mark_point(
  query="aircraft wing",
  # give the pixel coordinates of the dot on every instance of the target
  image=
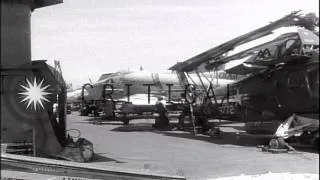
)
(215, 54)
(140, 99)
(257, 58)
(274, 53)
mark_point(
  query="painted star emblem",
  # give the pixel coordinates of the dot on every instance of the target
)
(34, 93)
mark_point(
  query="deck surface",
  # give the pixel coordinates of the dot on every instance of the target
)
(139, 146)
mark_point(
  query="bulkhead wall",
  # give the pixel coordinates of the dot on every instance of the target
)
(15, 33)
(21, 121)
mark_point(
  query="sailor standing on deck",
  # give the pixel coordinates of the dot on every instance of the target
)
(162, 120)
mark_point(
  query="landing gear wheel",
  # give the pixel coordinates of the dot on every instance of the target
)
(125, 121)
(280, 143)
(274, 144)
(316, 144)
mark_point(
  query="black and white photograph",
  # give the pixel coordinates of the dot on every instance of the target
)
(159, 90)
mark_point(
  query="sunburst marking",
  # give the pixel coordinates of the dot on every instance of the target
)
(34, 93)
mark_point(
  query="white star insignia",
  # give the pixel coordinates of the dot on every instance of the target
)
(34, 93)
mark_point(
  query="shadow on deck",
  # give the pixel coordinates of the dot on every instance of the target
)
(98, 157)
(232, 134)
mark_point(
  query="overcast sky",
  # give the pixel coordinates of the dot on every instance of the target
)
(93, 37)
